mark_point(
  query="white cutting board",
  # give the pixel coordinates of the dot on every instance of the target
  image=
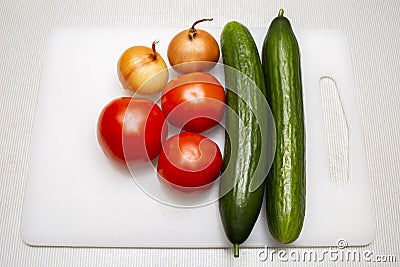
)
(76, 197)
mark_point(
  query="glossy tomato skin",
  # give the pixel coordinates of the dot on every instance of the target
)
(189, 160)
(131, 130)
(193, 101)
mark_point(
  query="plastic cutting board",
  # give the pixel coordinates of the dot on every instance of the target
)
(76, 197)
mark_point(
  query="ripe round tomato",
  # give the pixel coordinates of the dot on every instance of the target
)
(189, 160)
(131, 130)
(193, 101)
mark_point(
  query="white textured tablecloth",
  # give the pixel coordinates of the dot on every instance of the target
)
(373, 30)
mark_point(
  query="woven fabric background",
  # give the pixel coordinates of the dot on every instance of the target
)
(373, 30)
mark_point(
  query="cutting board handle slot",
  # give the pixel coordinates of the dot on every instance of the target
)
(336, 130)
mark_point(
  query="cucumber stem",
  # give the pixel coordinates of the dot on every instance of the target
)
(280, 14)
(236, 250)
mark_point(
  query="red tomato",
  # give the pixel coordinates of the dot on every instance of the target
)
(131, 129)
(189, 160)
(193, 101)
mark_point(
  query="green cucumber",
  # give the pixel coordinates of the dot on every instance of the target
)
(286, 181)
(242, 180)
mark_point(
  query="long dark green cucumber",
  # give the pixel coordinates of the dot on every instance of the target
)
(286, 181)
(240, 207)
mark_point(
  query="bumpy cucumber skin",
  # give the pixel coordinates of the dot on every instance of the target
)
(240, 207)
(286, 181)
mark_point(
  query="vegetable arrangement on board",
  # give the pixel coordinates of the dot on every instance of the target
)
(133, 130)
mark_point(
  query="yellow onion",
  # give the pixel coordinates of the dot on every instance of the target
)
(197, 48)
(142, 70)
